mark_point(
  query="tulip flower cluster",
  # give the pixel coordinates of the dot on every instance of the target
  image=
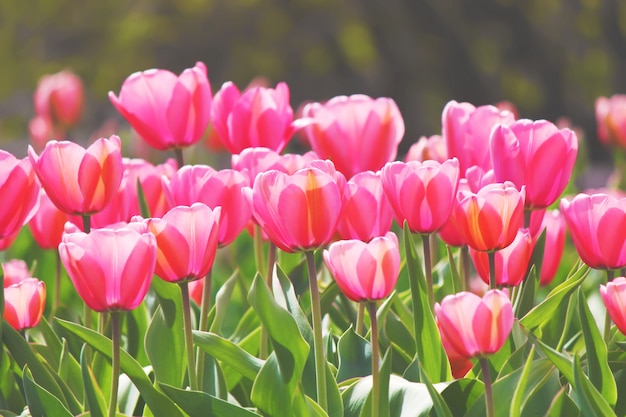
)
(359, 284)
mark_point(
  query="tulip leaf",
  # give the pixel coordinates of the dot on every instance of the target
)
(52, 341)
(562, 405)
(136, 324)
(528, 288)
(439, 404)
(165, 347)
(589, 398)
(96, 403)
(198, 403)
(600, 374)
(543, 312)
(159, 404)
(461, 394)
(518, 395)
(428, 342)
(40, 401)
(222, 299)
(355, 356)
(561, 361)
(69, 371)
(229, 353)
(457, 282)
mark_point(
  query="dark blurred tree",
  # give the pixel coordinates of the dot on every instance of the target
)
(551, 58)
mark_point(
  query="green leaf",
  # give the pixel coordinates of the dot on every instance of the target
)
(52, 341)
(229, 353)
(355, 356)
(428, 342)
(143, 204)
(590, 400)
(461, 394)
(136, 324)
(528, 289)
(166, 348)
(69, 371)
(600, 374)
(439, 404)
(518, 395)
(96, 403)
(457, 282)
(222, 299)
(197, 403)
(544, 312)
(40, 401)
(384, 375)
(563, 405)
(159, 404)
(562, 362)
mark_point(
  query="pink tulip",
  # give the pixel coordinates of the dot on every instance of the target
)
(201, 183)
(433, 147)
(596, 223)
(41, 131)
(467, 129)
(367, 213)
(358, 133)
(111, 269)
(59, 98)
(511, 262)
(423, 193)
(19, 191)
(258, 117)
(15, 271)
(24, 303)
(165, 110)
(48, 223)
(78, 180)
(6, 242)
(252, 161)
(473, 326)
(554, 225)
(614, 297)
(450, 233)
(525, 153)
(611, 120)
(187, 238)
(365, 271)
(489, 220)
(299, 212)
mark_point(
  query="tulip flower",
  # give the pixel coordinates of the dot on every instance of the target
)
(299, 212)
(19, 192)
(423, 193)
(78, 180)
(431, 148)
(489, 219)
(365, 271)
(614, 298)
(201, 183)
(596, 224)
(524, 153)
(367, 213)
(257, 117)
(467, 130)
(48, 223)
(358, 133)
(24, 303)
(15, 271)
(554, 225)
(166, 110)
(111, 269)
(611, 120)
(59, 98)
(511, 262)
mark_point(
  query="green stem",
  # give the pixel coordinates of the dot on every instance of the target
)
(428, 267)
(484, 365)
(204, 324)
(193, 381)
(178, 154)
(271, 260)
(86, 309)
(359, 318)
(465, 262)
(371, 307)
(258, 248)
(492, 270)
(57, 285)
(115, 361)
(527, 214)
(318, 342)
(610, 274)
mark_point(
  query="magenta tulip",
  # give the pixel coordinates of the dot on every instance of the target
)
(525, 153)
(59, 98)
(614, 298)
(19, 192)
(358, 133)
(555, 227)
(24, 303)
(166, 110)
(48, 223)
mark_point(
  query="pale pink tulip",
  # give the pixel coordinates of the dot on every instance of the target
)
(59, 98)
(614, 297)
(611, 120)
(15, 271)
(427, 148)
(24, 303)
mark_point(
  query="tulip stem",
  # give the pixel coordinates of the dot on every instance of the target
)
(610, 274)
(193, 381)
(86, 309)
(359, 318)
(115, 361)
(57, 285)
(271, 260)
(258, 248)
(484, 365)
(428, 267)
(465, 262)
(178, 154)
(318, 342)
(204, 324)
(492, 269)
(527, 214)
(371, 307)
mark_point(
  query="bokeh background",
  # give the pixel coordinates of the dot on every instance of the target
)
(551, 58)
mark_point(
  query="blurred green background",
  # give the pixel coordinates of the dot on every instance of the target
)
(551, 58)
